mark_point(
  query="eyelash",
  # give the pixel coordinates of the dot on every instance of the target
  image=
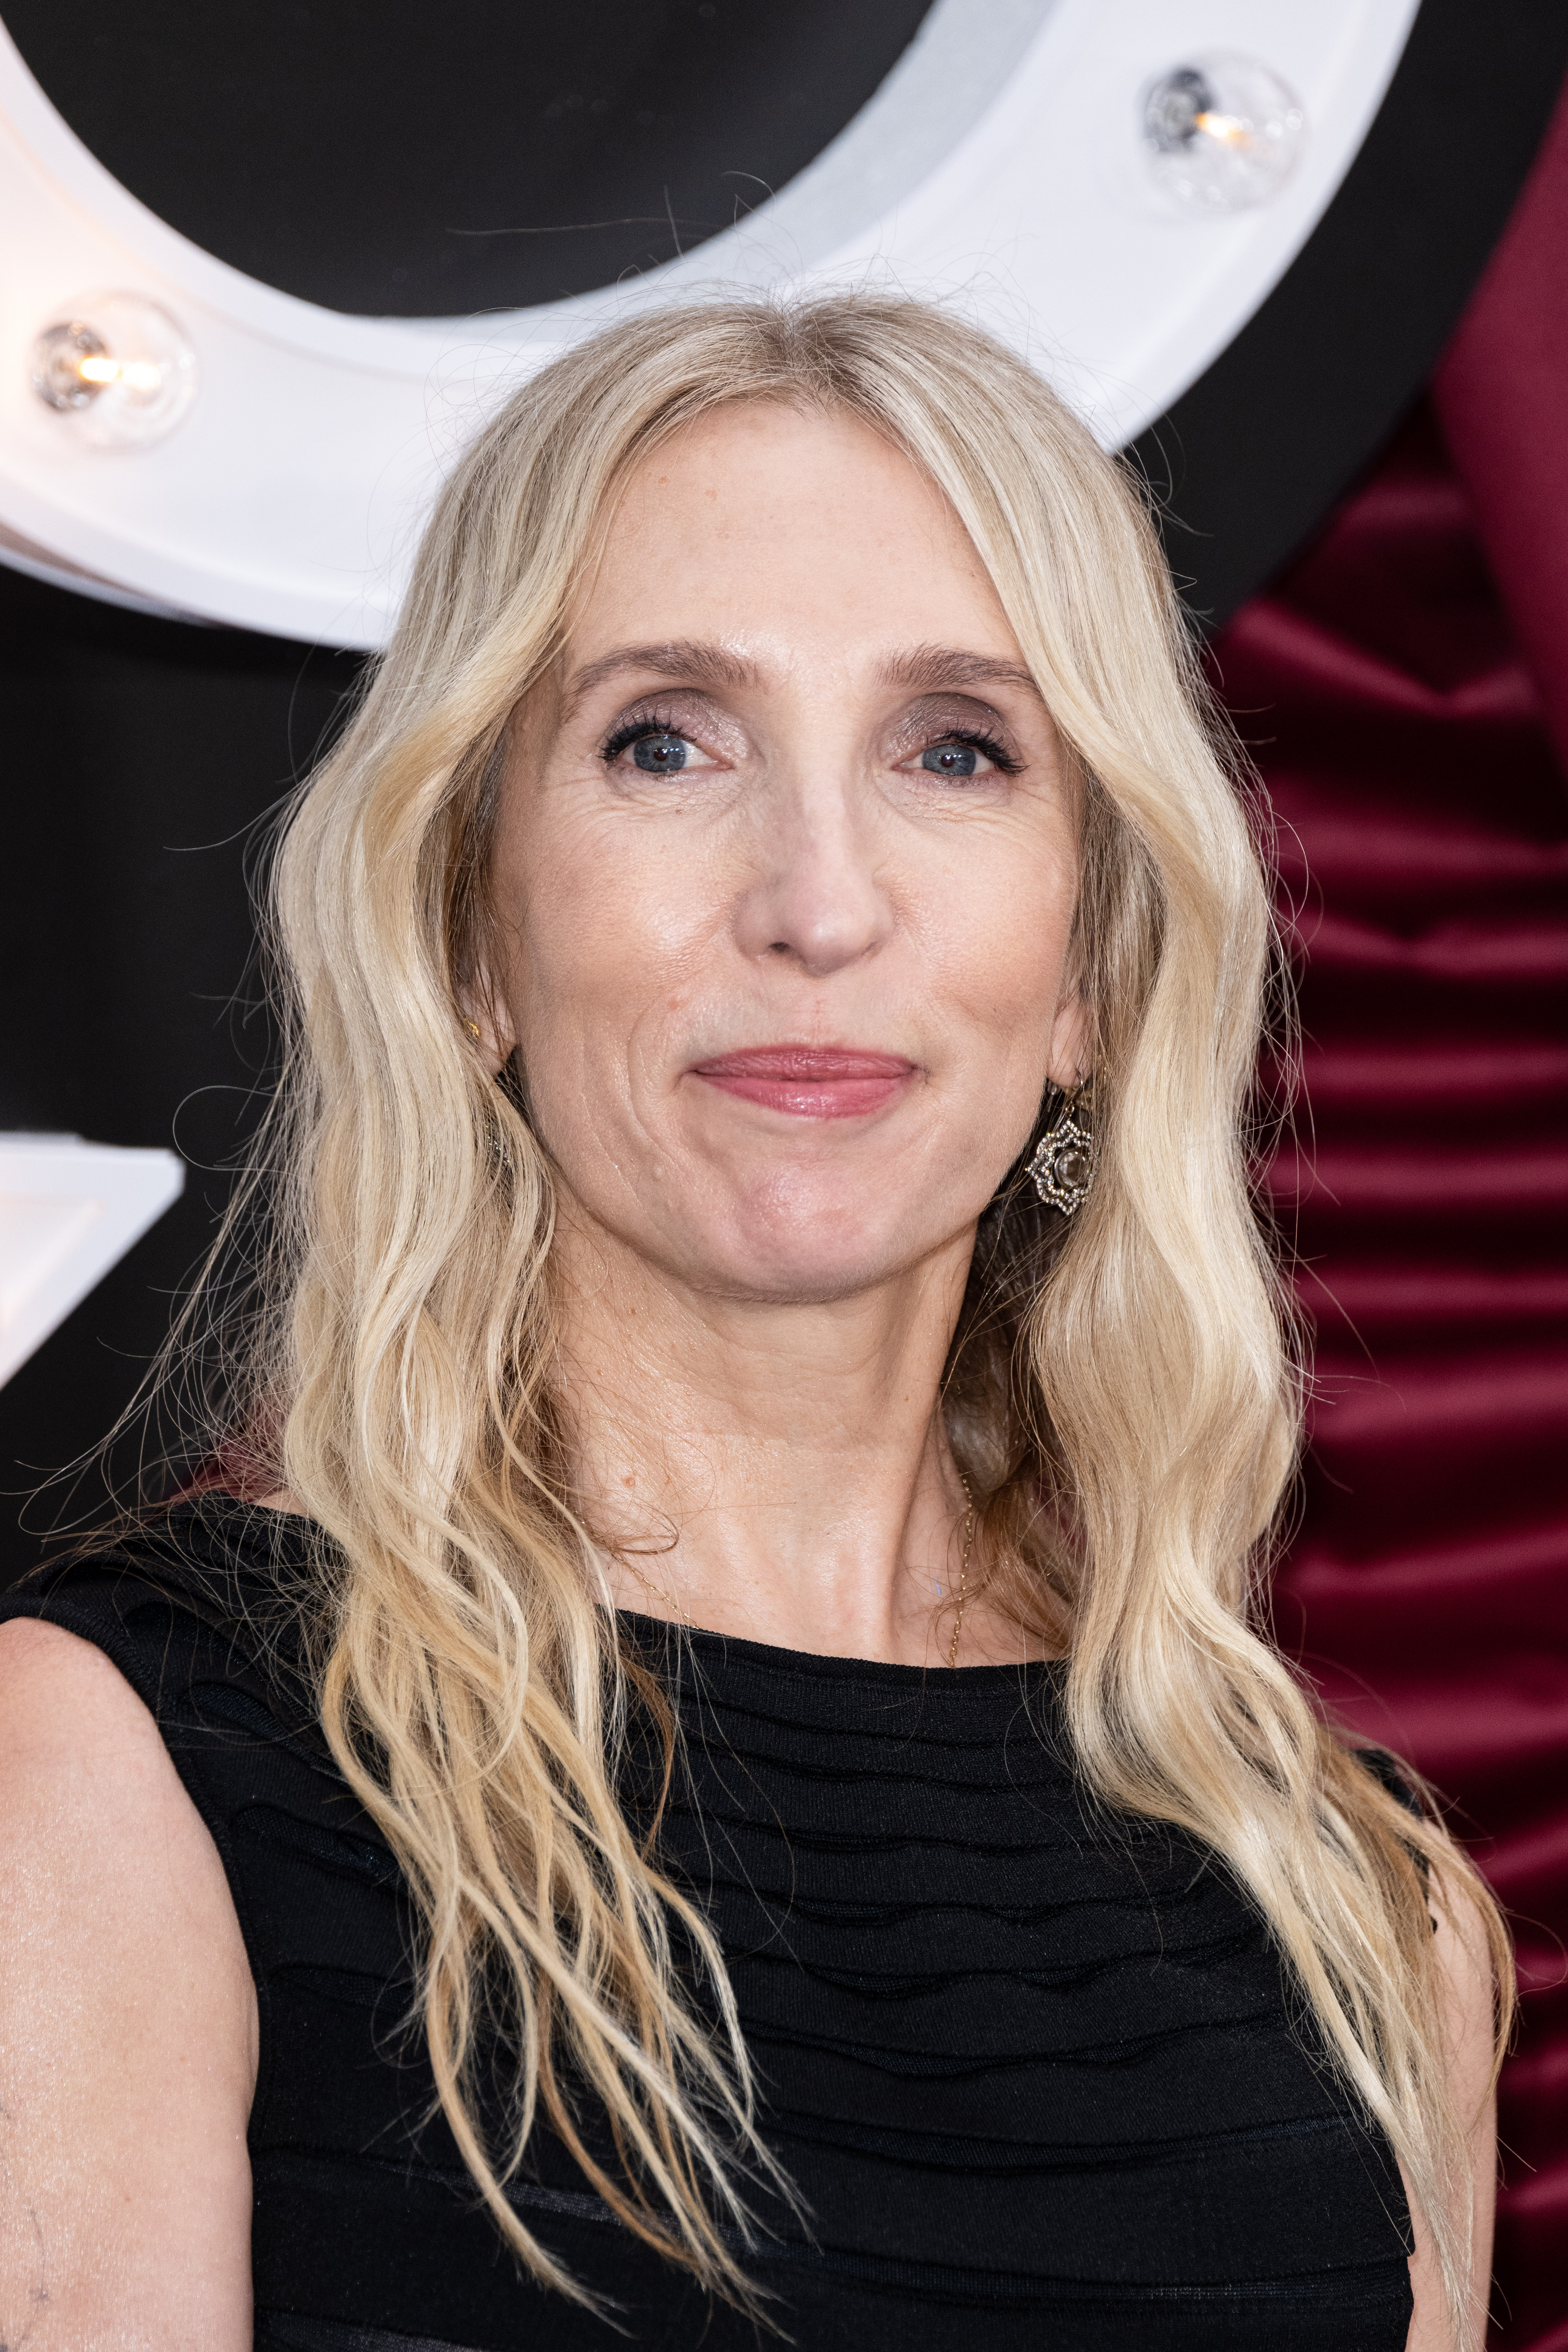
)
(1002, 760)
(635, 730)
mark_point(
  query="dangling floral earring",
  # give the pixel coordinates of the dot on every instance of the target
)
(1063, 1164)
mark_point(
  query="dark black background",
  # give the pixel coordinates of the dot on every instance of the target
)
(142, 755)
(394, 158)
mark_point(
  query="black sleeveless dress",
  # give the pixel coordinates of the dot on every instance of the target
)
(1033, 2069)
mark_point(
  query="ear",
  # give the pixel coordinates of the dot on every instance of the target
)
(483, 1009)
(1068, 1059)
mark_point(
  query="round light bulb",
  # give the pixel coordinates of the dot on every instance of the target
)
(118, 368)
(1222, 132)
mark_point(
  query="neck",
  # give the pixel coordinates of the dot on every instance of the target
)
(777, 1472)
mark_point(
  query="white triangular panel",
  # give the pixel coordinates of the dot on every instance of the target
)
(68, 1210)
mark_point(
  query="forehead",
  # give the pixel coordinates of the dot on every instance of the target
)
(762, 519)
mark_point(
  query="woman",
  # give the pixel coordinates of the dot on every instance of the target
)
(724, 1767)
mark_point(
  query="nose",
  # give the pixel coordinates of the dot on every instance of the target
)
(816, 895)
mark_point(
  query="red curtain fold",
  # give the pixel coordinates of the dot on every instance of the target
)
(1501, 393)
(1423, 856)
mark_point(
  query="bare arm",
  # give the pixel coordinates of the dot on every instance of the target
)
(1468, 2032)
(127, 2026)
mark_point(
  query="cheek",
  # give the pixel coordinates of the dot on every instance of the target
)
(1005, 951)
(1001, 941)
(596, 943)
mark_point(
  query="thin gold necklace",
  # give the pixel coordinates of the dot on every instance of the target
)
(962, 1570)
(658, 1592)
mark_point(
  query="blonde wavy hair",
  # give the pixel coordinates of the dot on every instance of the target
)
(1124, 1401)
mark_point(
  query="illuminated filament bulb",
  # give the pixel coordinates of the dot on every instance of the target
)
(118, 368)
(136, 375)
(1221, 133)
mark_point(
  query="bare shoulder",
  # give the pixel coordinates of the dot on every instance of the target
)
(1468, 2029)
(61, 1694)
(127, 2025)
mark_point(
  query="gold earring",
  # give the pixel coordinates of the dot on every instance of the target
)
(473, 1029)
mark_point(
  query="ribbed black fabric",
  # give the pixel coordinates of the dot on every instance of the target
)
(1032, 2067)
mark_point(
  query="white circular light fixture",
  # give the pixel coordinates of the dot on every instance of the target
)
(1005, 162)
(1224, 133)
(117, 370)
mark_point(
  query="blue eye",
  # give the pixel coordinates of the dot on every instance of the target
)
(659, 755)
(951, 760)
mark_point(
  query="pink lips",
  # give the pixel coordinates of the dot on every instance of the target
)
(810, 1081)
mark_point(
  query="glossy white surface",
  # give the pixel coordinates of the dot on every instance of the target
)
(68, 1210)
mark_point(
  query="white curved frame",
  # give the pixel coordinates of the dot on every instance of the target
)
(290, 498)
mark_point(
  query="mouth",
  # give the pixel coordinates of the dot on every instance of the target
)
(810, 1081)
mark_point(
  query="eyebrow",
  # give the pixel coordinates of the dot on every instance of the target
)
(926, 669)
(682, 657)
(937, 669)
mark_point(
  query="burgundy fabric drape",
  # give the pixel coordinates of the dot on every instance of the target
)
(1502, 396)
(1423, 849)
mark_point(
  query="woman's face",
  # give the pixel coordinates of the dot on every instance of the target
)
(785, 871)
